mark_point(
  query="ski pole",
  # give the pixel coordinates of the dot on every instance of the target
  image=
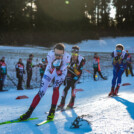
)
(11, 80)
(72, 72)
(88, 71)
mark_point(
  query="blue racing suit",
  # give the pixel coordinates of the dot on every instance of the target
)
(119, 65)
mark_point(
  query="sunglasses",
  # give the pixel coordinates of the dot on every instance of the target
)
(58, 55)
(75, 51)
(119, 51)
(74, 54)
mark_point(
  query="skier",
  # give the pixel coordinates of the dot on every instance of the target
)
(96, 66)
(119, 65)
(29, 67)
(3, 72)
(73, 75)
(58, 61)
(129, 62)
(42, 66)
(19, 73)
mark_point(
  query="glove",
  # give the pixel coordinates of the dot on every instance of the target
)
(56, 63)
(51, 70)
(59, 72)
(75, 78)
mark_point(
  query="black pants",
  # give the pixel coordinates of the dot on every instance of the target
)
(41, 75)
(129, 66)
(70, 83)
(2, 78)
(95, 71)
(20, 79)
(29, 77)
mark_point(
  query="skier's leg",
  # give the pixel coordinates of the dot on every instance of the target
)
(19, 81)
(131, 71)
(126, 71)
(58, 81)
(73, 93)
(30, 77)
(114, 77)
(95, 71)
(46, 80)
(4, 77)
(1, 83)
(113, 82)
(101, 75)
(119, 75)
(64, 94)
(41, 75)
(28, 80)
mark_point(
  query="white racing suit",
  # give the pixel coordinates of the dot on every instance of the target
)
(50, 74)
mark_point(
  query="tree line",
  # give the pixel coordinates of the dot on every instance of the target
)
(47, 16)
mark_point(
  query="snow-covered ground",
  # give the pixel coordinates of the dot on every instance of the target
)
(107, 115)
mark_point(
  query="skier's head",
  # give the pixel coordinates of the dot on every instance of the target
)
(75, 49)
(31, 56)
(96, 55)
(20, 60)
(119, 49)
(75, 52)
(126, 51)
(59, 50)
(3, 58)
(43, 60)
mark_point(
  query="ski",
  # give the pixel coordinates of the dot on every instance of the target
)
(17, 120)
(44, 122)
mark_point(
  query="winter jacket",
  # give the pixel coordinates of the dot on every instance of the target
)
(3, 68)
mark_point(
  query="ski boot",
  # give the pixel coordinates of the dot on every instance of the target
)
(51, 113)
(60, 107)
(69, 106)
(62, 103)
(112, 92)
(71, 103)
(27, 114)
(116, 90)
